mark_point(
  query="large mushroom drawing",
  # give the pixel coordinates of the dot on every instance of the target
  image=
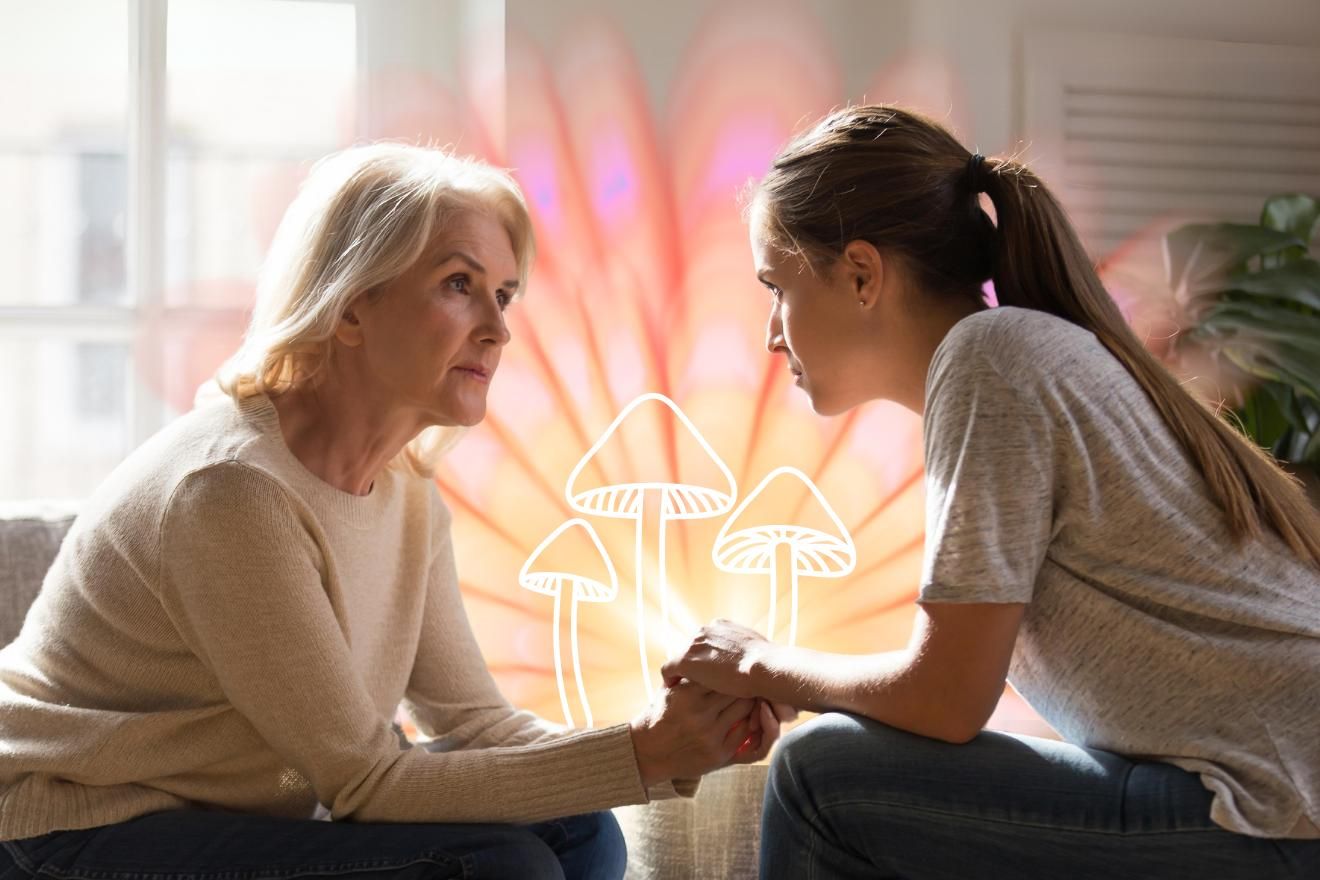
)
(598, 585)
(755, 540)
(653, 498)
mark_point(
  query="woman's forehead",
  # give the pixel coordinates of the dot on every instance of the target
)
(764, 252)
(478, 234)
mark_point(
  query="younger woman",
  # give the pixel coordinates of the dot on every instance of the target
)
(1144, 576)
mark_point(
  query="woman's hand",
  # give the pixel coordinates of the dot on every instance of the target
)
(726, 657)
(769, 717)
(693, 730)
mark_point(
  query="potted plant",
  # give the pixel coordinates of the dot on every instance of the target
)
(1249, 299)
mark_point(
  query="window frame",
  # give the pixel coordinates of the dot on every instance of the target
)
(144, 253)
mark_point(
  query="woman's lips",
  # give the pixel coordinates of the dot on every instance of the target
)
(477, 374)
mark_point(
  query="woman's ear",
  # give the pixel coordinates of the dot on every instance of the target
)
(866, 271)
(349, 331)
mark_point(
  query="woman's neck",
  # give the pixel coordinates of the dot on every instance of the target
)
(342, 437)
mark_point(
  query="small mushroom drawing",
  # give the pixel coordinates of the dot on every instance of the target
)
(748, 544)
(652, 500)
(583, 588)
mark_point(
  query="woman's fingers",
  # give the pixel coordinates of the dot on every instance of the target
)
(769, 718)
(764, 742)
(673, 671)
(734, 715)
(784, 712)
(736, 710)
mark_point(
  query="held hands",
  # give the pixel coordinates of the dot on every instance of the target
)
(691, 731)
(726, 657)
(709, 715)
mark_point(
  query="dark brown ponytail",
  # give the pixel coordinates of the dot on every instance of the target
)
(905, 184)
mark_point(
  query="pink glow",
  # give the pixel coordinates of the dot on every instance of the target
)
(614, 181)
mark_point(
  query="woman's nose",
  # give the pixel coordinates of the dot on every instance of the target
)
(494, 328)
(774, 331)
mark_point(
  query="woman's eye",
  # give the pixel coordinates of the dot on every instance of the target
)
(505, 300)
(458, 283)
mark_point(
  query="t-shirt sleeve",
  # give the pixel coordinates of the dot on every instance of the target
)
(989, 481)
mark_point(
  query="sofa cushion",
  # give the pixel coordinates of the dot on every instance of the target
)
(717, 834)
(30, 536)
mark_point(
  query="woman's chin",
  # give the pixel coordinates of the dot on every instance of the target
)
(458, 417)
(470, 419)
(825, 405)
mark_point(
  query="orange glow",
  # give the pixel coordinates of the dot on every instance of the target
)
(644, 284)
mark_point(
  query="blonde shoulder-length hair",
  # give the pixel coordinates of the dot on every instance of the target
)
(362, 218)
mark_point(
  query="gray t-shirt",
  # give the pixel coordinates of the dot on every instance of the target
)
(1052, 480)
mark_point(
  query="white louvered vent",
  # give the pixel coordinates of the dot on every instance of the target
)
(1138, 133)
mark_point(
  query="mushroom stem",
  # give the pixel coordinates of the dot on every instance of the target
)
(559, 660)
(780, 560)
(650, 518)
(793, 608)
(577, 661)
(662, 578)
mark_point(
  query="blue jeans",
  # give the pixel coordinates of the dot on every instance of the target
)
(181, 844)
(849, 797)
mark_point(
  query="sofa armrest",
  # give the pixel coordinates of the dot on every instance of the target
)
(30, 536)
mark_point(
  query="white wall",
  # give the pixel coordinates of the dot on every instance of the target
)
(981, 40)
(861, 33)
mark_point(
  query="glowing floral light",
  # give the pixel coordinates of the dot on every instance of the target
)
(644, 287)
(644, 284)
(653, 496)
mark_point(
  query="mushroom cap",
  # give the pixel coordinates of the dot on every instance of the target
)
(591, 574)
(712, 496)
(746, 542)
(679, 501)
(584, 589)
(815, 553)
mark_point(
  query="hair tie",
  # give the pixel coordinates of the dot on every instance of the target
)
(976, 173)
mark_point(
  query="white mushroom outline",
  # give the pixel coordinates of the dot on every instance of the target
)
(752, 550)
(551, 583)
(627, 501)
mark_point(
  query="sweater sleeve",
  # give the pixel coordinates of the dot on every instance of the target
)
(451, 693)
(240, 577)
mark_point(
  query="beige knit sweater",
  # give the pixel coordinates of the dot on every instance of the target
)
(223, 630)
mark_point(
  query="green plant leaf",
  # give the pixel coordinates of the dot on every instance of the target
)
(1199, 256)
(1263, 319)
(1294, 214)
(1252, 294)
(1297, 281)
(1311, 455)
(1271, 364)
(1308, 414)
(1266, 342)
(1262, 419)
(1287, 401)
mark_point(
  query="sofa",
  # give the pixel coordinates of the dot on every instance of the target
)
(714, 835)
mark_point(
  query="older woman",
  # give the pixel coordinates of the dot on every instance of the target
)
(218, 652)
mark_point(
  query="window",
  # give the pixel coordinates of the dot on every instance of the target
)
(144, 163)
